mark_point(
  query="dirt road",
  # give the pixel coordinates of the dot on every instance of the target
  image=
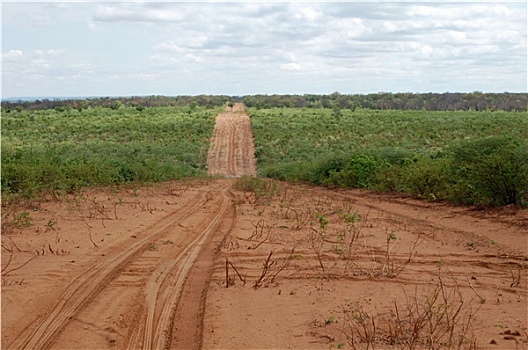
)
(200, 265)
(232, 151)
(144, 291)
(127, 295)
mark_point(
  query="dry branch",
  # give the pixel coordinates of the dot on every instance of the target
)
(267, 265)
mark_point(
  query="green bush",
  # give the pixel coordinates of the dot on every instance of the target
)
(492, 171)
(320, 171)
(248, 184)
(427, 177)
(359, 171)
(293, 172)
(261, 188)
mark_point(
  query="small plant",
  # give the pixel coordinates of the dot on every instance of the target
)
(152, 247)
(230, 280)
(441, 319)
(317, 242)
(390, 267)
(361, 328)
(516, 277)
(258, 189)
(338, 249)
(271, 269)
(323, 221)
(51, 225)
(23, 219)
(146, 207)
(12, 220)
(349, 218)
(330, 320)
(391, 236)
(6, 270)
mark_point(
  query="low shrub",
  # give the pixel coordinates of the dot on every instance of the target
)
(491, 171)
(359, 171)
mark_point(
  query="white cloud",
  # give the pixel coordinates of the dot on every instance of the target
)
(356, 28)
(135, 12)
(81, 65)
(12, 55)
(456, 36)
(40, 63)
(49, 53)
(452, 10)
(308, 14)
(193, 58)
(169, 47)
(291, 67)
(269, 46)
(142, 76)
(163, 59)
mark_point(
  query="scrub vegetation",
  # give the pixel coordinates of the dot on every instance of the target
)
(50, 151)
(465, 157)
(464, 148)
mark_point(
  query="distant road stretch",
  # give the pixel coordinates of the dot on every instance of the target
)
(232, 152)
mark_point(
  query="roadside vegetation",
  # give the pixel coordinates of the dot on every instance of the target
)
(466, 157)
(51, 151)
(466, 148)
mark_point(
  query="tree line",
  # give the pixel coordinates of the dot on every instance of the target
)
(139, 102)
(448, 101)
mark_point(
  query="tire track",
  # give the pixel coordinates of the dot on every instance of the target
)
(164, 289)
(88, 285)
(436, 219)
(231, 147)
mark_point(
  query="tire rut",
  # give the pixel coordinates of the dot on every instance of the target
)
(86, 287)
(165, 287)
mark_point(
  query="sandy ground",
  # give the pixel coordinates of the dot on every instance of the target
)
(197, 264)
(345, 260)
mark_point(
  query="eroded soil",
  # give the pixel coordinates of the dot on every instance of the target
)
(198, 264)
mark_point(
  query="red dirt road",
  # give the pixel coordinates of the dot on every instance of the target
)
(126, 294)
(103, 278)
(145, 268)
(231, 152)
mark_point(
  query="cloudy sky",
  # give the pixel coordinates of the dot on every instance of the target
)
(55, 49)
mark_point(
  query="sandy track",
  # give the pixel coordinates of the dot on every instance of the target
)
(143, 288)
(164, 272)
(232, 150)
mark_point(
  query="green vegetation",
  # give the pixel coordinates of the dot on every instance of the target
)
(262, 189)
(462, 156)
(463, 148)
(45, 151)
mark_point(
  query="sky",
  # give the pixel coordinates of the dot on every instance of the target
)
(83, 48)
